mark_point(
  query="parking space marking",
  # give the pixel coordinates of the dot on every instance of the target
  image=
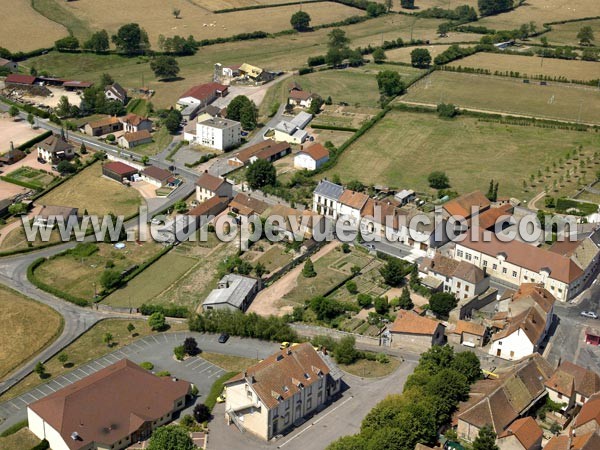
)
(112, 356)
(122, 354)
(58, 382)
(201, 364)
(76, 376)
(208, 368)
(155, 340)
(135, 344)
(166, 339)
(190, 362)
(87, 374)
(98, 364)
(32, 396)
(15, 406)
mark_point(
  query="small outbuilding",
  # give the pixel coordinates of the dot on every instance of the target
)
(119, 171)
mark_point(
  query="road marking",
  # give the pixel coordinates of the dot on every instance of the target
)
(165, 336)
(315, 422)
(122, 354)
(32, 396)
(192, 361)
(15, 406)
(86, 374)
(73, 373)
(208, 368)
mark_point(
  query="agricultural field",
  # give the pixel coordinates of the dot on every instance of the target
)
(509, 95)
(216, 5)
(469, 150)
(82, 191)
(566, 33)
(541, 11)
(24, 29)
(530, 66)
(281, 53)
(28, 326)
(33, 177)
(79, 274)
(88, 346)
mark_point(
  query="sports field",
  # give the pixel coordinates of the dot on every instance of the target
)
(533, 66)
(27, 327)
(566, 33)
(541, 11)
(509, 95)
(89, 190)
(403, 148)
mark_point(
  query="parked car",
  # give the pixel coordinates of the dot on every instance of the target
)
(223, 338)
(589, 314)
(284, 345)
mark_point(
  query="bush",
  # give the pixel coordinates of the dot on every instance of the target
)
(201, 413)
(179, 352)
(163, 373)
(147, 365)
(352, 288)
(157, 321)
(446, 110)
(382, 358)
(364, 300)
(345, 351)
(438, 180)
(190, 346)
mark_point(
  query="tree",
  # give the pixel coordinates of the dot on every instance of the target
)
(325, 309)
(165, 67)
(17, 209)
(393, 272)
(315, 105)
(107, 338)
(67, 43)
(590, 54)
(63, 358)
(438, 180)
(345, 350)
(379, 55)
(201, 413)
(375, 9)
(260, 270)
(405, 300)
(261, 173)
(420, 57)
(98, 42)
(390, 83)
(40, 369)
(130, 327)
(442, 303)
(131, 39)
(176, 13)
(308, 271)
(337, 39)
(191, 346)
(300, 21)
(83, 149)
(157, 321)
(491, 7)
(364, 300)
(13, 111)
(171, 437)
(145, 160)
(486, 439)
(351, 287)
(447, 110)
(173, 121)
(249, 117)
(242, 109)
(407, 4)
(30, 119)
(381, 305)
(334, 57)
(468, 364)
(388, 5)
(110, 279)
(585, 35)
(179, 352)
(443, 28)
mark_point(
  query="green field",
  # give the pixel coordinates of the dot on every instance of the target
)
(403, 148)
(35, 177)
(151, 282)
(509, 95)
(566, 33)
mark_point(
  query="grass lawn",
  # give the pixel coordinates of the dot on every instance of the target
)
(16, 239)
(138, 106)
(21, 440)
(566, 33)
(589, 196)
(470, 151)
(86, 348)
(273, 257)
(228, 362)
(331, 269)
(152, 281)
(28, 326)
(36, 177)
(509, 95)
(371, 369)
(162, 139)
(532, 66)
(88, 190)
(77, 276)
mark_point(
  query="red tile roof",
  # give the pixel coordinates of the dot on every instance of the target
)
(527, 431)
(206, 91)
(137, 136)
(464, 326)
(316, 152)
(210, 182)
(461, 206)
(589, 411)
(18, 78)
(262, 150)
(408, 322)
(110, 404)
(119, 168)
(157, 173)
(213, 205)
(300, 95)
(355, 200)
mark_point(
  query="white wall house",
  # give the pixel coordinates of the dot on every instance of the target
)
(217, 133)
(311, 158)
(207, 186)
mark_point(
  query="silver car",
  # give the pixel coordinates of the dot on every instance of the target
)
(589, 314)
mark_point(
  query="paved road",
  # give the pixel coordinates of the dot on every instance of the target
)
(341, 418)
(157, 349)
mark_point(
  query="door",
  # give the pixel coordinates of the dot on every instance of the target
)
(498, 352)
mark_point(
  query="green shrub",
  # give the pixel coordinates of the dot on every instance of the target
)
(147, 365)
(179, 352)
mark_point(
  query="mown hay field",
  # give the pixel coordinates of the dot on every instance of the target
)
(509, 95)
(25, 30)
(566, 33)
(530, 66)
(403, 54)
(404, 147)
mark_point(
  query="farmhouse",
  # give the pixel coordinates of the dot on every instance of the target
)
(311, 158)
(268, 150)
(133, 123)
(466, 206)
(522, 434)
(460, 278)
(500, 401)
(116, 92)
(233, 292)
(280, 391)
(103, 126)
(326, 198)
(411, 329)
(49, 215)
(156, 176)
(118, 171)
(564, 269)
(351, 204)
(298, 97)
(135, 138)
(572, 385)
(217, 133)
(55, 148)
(208, 186)
(255, 74)
(113, 408)
(530, 313)
(10, 65)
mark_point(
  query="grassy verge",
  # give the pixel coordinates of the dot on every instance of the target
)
(14, 428)
(229, 363)
(371, 369)
(217, 388)
(21, 440)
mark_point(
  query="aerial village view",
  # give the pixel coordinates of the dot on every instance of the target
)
(300, 225)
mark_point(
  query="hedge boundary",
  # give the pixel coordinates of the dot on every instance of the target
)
(333, 128)
(43, 286)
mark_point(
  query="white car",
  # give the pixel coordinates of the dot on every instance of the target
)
(589, 314)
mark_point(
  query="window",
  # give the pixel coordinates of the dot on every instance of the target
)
(559, 395)
(514, 274)
(495, 267)
(512, 353)
(466, 288)
(458, 284)
(504, 270)
(459, 253)
(484, 263)
(468, 256)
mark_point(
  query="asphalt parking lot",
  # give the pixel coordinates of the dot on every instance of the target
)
(157, 349)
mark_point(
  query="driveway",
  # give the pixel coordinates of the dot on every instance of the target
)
(341, 418)
(30, 161)
(157, 349)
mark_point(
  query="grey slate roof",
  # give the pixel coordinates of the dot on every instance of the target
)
(236, 290)
(329, 190)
